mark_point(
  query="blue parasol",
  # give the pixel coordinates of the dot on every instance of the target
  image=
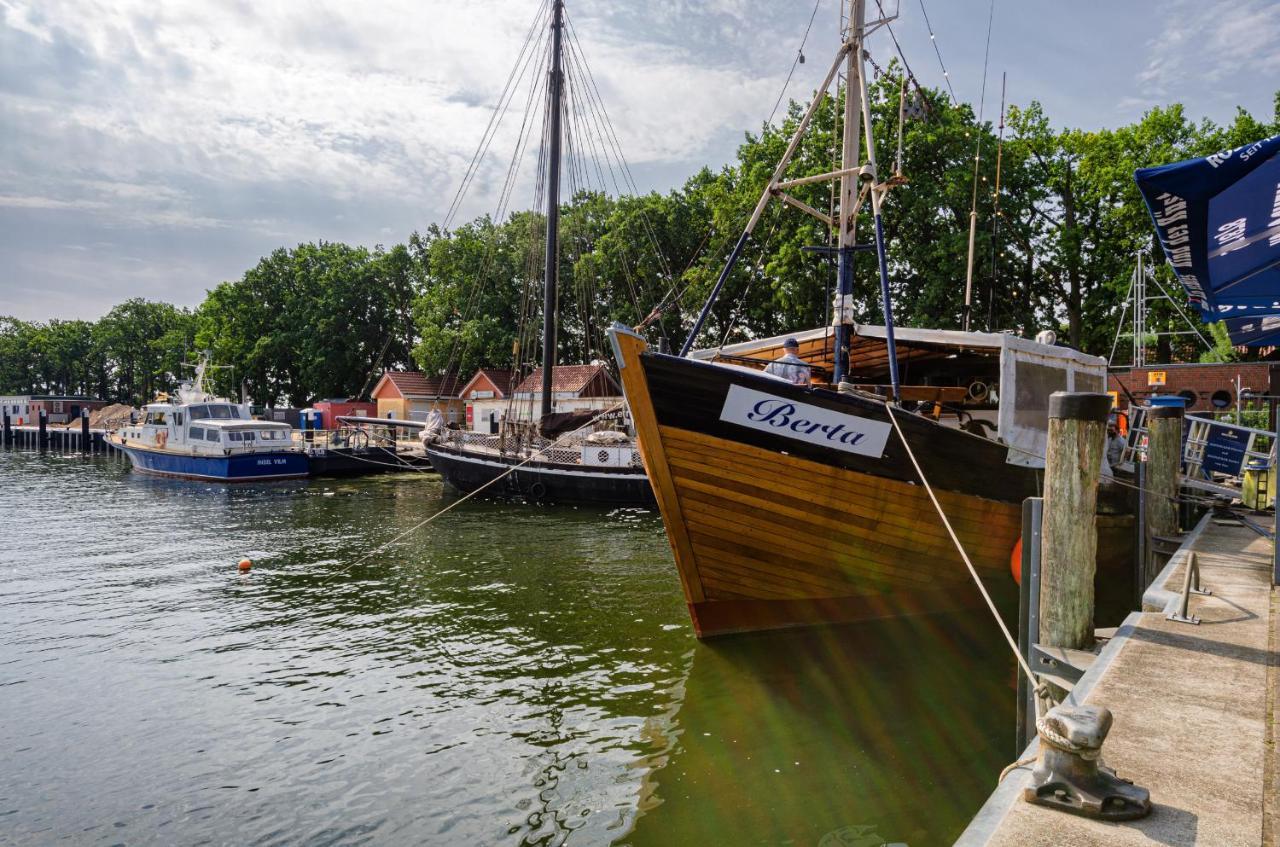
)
(1218, 219)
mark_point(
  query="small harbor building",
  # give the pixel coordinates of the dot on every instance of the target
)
(17, 407)
(411, 395)
(486, 397)
(574, 388)
(58, 408)
(330, 410)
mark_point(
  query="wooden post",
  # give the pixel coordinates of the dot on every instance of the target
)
(85, 441)
(1069, 541)
(1163, 477)
(43, 430)
(8, 430)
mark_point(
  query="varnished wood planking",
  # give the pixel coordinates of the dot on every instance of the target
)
(835, 493)
(856, 512)
(826, 551)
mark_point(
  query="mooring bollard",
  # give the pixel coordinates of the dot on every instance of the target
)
(1163, 478)
(1069, 539)
(1069, 774)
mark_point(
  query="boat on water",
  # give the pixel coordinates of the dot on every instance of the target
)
(195, 435)
(793, 504)
(580, 456)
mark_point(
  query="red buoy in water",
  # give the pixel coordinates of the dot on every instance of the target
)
(245, 564)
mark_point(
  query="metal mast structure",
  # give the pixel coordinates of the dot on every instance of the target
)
(857, 130)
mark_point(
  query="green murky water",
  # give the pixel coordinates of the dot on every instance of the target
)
(507, 675)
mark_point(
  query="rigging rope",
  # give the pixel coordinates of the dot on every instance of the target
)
(795, 63)
(464, 498)
(934, 39)
(973, 572)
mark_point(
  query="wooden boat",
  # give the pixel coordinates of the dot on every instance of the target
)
(789, 505)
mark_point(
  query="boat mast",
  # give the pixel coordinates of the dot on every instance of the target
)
(552, 269)
(850, 165)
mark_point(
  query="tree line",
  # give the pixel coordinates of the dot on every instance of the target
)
(1055, 248)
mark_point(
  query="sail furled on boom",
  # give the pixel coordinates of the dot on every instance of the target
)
(1218, 220)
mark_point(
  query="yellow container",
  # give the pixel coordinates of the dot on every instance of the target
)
(1257, 491)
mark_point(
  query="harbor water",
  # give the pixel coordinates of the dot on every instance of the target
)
(504, 675)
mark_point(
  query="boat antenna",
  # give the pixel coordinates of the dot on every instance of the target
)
(995, 212)
(554, 86)
(977, 160)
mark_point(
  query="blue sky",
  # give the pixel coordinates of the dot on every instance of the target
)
(154, 149)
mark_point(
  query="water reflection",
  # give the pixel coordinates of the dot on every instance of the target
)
(504, 675)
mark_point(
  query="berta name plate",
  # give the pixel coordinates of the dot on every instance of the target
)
(803, 422)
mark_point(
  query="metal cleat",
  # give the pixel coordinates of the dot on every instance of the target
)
(1069, 774)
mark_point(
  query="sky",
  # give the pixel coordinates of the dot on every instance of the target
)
(155, 148)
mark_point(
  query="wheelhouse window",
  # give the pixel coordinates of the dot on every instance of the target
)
(197, 433)
(156, 418)
(211, 435)
(200, 413)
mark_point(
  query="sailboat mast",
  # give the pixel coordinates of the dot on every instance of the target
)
(850, 160)
(552, 270)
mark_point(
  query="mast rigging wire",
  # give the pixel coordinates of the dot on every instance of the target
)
(934, 39)
(795, 62)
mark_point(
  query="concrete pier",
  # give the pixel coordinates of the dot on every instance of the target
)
(1194, 712)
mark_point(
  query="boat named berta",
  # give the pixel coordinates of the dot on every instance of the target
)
(755, 409)
(195, 435)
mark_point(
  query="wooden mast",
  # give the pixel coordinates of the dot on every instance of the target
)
(552, 268)
(850, 161)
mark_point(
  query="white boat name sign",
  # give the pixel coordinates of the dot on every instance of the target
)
(803, 422)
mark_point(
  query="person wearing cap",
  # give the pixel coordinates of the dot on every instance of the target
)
(790, 366)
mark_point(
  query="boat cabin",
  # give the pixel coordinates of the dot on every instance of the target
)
(993, 384)
(211, 428)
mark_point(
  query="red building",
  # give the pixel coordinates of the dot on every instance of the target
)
(1206, 387)
(331, 410)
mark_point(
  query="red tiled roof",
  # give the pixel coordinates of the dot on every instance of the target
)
(565, 378)
(501, 378)
(416, 384)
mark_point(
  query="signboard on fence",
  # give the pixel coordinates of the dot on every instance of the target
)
(1156, 379)
(1224, 450)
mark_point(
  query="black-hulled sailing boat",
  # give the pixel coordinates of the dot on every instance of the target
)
(568, 457)
(798, 504)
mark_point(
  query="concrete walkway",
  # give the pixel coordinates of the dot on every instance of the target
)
(1194, 713)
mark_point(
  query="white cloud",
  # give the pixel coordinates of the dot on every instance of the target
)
(1220, 44)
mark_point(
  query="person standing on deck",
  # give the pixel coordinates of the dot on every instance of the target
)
(1115, 444)
(790, 366)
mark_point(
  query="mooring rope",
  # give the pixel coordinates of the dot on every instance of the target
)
(464, 498)
(1041, 690)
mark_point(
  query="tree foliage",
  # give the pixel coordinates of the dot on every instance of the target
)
(1054, 249)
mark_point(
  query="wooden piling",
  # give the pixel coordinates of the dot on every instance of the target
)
(42, 438)
(1163, 476)
(8, 430)
(86, 441)
(1069, 540)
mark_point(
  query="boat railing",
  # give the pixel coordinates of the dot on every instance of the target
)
(565, 450)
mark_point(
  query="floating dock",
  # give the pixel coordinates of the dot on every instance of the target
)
(1194, 708)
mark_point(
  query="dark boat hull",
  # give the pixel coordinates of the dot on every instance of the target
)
(811, 511)
(540, 482)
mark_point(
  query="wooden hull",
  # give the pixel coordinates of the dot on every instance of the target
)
(770, 529)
